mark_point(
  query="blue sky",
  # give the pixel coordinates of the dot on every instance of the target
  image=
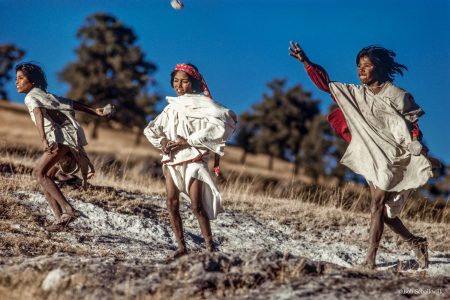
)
(240, 45)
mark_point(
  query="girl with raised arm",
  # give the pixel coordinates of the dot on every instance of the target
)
(379, 120)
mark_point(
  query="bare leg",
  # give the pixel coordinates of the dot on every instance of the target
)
(52, 172)
(195, 193)
(57, 211)
(173, 205)
(379, 198)
(397, 226)
(418, 244)
(53, 194)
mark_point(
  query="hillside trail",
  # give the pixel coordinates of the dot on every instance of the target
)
(116, 253)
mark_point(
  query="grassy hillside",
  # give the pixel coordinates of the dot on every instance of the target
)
(280, 236)
(122, 164)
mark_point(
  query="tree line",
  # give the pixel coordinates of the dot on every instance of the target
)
(110, 67)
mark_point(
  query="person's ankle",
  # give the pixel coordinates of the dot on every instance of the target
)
(369, 264)
(209, 245)
(182, 246)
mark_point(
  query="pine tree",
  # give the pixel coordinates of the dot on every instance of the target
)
(281, 121)
(269, 116)
(9, 55)
(245, 134)
(315, 148)
(110, 68)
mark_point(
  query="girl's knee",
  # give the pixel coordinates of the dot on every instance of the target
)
(377, 207)
(173, 203)
(377, 203)
(39, 175)
(197, 210)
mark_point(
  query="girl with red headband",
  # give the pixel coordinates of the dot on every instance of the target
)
(190, 127)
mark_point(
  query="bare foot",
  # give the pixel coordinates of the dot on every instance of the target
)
(176, 254)
(369, 261)
(68, 217)
(55, 227)
(368, 265)
(63, 221)
(420, 247)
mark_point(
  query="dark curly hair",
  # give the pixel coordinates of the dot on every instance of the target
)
(197, 86)
(383, 60)
(34, 74)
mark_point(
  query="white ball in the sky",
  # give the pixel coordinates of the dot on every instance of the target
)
(177, 4)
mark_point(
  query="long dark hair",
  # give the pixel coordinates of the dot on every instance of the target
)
(34, 74)
(197, 86)
(383, 60)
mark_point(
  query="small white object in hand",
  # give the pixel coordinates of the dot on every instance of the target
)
(177, 4)
(109, 109)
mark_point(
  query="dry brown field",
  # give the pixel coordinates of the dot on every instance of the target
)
(282, 236)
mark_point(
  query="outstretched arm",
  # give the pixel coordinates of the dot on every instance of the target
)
(99, 112)
(320, 78)
(298, 53)
(316, 73)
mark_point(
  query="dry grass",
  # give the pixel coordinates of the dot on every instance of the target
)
(305, 208)
(17, 130)
(270, 194)
(122, 166)
(314, 209)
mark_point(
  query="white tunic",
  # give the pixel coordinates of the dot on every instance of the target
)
(206, 126)
(380, 136)
(70, 133)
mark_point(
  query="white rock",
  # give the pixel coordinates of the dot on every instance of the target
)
(53, 279)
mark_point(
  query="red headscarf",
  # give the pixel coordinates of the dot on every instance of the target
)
(195, 74)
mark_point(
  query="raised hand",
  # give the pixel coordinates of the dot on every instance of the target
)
(105, 111)
(297, 52)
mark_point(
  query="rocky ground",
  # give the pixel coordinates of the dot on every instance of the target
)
(119, 253)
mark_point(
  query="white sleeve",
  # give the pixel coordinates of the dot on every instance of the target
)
(213, 136)
(154, 131)
(32, 102)
(66, 103)
(409, 108)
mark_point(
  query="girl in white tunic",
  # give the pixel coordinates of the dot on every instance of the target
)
(62, 139)
(384, 144)
(190, 127)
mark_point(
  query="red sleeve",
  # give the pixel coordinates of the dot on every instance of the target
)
(415, 131)
(318, 76)
(337, 121)
(336, 118)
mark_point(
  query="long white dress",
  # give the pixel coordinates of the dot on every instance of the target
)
(206, 126)
(379, 124)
